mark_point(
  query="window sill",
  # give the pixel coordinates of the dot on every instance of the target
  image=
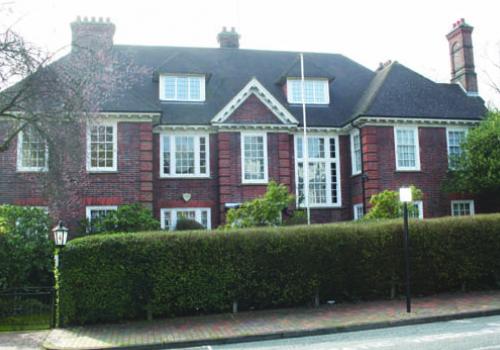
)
(262, 183)
(102, 171)
(180, 177)
(27, 170)
(326, 206)
(356, 174)
(408, 170)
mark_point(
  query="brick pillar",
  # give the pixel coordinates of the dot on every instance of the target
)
(229, 170)
(285, 159)
(146, 164)
(370, 162)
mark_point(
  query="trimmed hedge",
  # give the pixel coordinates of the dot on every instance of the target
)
(126, 276)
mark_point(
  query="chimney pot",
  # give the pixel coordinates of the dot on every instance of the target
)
(228, 39)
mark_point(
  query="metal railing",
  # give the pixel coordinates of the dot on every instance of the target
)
(27, 308)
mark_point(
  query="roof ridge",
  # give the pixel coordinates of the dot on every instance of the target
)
(370, 96)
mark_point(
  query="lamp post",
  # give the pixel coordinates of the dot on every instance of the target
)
(405, 197)
(60, 237)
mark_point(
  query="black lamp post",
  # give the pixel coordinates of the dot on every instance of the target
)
(406, 197)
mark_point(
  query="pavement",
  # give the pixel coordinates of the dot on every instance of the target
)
(22, 340)
(273, 324)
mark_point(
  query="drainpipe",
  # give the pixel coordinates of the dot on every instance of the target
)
(363, 175)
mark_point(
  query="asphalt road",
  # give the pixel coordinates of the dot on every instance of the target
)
(468, 334)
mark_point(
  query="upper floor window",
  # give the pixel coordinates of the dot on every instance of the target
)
(462, 208)
(324, 171)
(315, 91)
(182, 87)
(32, 151)
(184, 155)
(455, 138)
(356, 152)
(102, 147)
(407, 148)
(254, 158)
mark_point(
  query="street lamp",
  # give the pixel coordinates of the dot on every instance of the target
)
(60, 237)
(406, 197)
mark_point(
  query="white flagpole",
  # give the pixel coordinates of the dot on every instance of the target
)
(305, 151)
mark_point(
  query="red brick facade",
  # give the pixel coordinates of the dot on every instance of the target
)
(138, 176)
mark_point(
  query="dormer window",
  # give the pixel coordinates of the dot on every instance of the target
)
(178, 87)
(315, 91)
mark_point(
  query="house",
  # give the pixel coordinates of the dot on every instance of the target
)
(206, 129)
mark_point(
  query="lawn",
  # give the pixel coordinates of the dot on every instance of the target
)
(25, 322)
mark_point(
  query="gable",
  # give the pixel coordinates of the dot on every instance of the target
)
(254, 89)
(253, 111)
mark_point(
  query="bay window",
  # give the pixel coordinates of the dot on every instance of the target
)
(316, 91)
(324, 171)
(175, 87)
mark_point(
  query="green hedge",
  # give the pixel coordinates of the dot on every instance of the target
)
(126, 276)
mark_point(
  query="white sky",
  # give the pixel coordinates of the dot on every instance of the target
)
(369, 32)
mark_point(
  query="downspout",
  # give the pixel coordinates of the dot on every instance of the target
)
(363, 175)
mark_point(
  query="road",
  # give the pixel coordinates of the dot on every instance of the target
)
(468, 334)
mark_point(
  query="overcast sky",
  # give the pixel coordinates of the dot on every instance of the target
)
(369, 32)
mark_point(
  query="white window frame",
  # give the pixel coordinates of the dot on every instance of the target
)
(162, 87)
(90, 208)
(173, 168)
(173, 216)
(20, 167)
(265, 180)
(465, 130)
(328, 161)
(470, 202)
(355, 210)
(415, 131)
(354, 168)
(326, 88)
(98, 169)
(420, 205)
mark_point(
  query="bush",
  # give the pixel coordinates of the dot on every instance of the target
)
(187, 225)
(26, 252)
(386, 205)
(298, 217)
(127, 218)
(123, 276)
(264, 211)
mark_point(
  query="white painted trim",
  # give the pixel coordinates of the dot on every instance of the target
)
(197, 174)
(129, 117)
(255, 127)
(256, 88)
(173, 216)
(417, 146)
(328, 161)
(420, 122)
(161, 88)
(89, 208)
(354, 133)
(114, 168)
(19, 159)
(265, 180)
(326, 91)
(355, 211)
(448, 129)
(188, 128)
(465, 201)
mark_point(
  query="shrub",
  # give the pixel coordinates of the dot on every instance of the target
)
(187, 225)
(386, 204)
(123, 276)
(127, 218)
(26, 252)
(263, 211)
(298, 217)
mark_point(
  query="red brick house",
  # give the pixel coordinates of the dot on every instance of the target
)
(211, 126)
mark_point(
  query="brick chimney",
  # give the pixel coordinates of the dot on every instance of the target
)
(228, 39)
(462, 57)
(93, 34)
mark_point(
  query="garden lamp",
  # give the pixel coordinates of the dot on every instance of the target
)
(406, 197)
(60, 235)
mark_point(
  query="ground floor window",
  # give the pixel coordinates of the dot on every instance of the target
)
(462, 208)
(416, 210)
(358, 211)
(170, 216)
(97, 212)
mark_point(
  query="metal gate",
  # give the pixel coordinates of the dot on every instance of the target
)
(27, 308)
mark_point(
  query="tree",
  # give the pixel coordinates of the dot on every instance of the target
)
(477, 170)
(55, 99)
(263, 211)
(386, 204)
